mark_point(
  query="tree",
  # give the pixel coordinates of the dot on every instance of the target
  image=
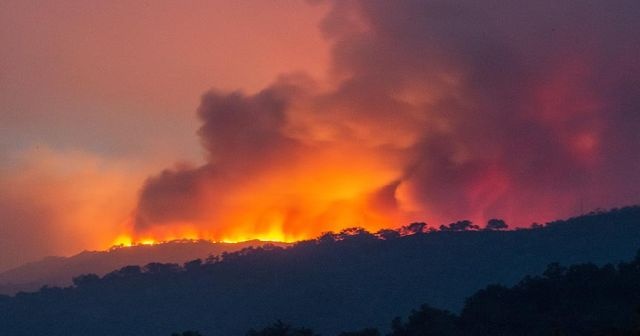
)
(554, 271)
(124, 272)
(327, 238)
(354, 233)
(212, 259)
(388, 234)
(161, 268)
(193, 265)
(415, 228)
(85, 280)
(536, 226)
(426, 321)
(462, 225)
(281, 329)
(496, 224)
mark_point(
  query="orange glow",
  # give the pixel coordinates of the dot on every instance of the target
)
(318, 194)
(302, 202)
(148, 241)
(123, 240)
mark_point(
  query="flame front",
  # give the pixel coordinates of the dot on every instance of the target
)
(286, 205)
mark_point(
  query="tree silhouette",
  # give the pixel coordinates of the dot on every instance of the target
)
(193, 265)
(86, 280)
(414, 228)
(281, 329)
(388, 234)
(536, 226)
(354, 233)
(496, 224)
(462, 225)
(161, 268)
(426, 321)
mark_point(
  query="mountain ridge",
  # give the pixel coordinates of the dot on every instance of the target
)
(59, 271)
(336, 282)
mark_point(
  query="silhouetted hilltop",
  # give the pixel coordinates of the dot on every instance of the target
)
(343, 281)
(577, 300)
(58, 271)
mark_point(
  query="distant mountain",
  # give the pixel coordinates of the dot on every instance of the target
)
(345, 281)
(58, 271)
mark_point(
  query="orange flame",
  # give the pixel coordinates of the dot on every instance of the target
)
(289, 205)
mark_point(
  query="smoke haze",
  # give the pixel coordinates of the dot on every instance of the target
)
(433, 110)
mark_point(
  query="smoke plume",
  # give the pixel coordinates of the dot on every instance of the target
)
(432, 111)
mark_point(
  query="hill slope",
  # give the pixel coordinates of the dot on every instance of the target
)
(58, 271)
(335, 283)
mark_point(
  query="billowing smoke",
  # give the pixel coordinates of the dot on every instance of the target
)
(434, 111)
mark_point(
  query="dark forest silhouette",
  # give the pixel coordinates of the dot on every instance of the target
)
(582, 299)
(58, 271)
(356, 280)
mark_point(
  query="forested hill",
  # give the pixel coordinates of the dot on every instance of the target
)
(576, 300)
(58, 271)
(337, 282)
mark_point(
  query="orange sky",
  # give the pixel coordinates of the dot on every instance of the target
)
(96, 96)
(244, 119)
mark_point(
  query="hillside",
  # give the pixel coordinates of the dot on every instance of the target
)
(575, 300)
(337, 282)
(58, 271)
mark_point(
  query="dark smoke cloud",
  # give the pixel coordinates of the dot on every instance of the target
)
(516, 109)
(242, 135)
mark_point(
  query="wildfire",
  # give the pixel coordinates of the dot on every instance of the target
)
(329, 191)
(187, 233)
(128, 241)
(123, 240)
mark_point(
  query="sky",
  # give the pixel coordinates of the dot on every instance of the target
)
(126, 121)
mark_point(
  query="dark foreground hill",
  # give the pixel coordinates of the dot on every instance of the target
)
(578, 300)
(338, 282)
(58, 271)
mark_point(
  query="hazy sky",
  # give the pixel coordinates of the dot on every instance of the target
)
(282, 119)
(97, 95)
